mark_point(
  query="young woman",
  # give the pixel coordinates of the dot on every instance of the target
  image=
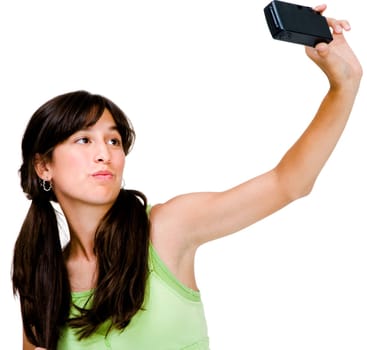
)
(125, 280)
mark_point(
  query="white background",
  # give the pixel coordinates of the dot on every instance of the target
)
(214, 101)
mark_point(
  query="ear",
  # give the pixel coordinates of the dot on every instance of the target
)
(42, 167)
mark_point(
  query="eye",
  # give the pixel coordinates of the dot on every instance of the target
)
(82, 140)
(115, 142)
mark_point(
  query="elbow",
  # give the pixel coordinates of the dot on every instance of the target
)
(300, 191)
(294, 187)
(306, 190)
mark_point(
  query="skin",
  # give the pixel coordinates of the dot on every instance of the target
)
(86, 173)
(182, 224)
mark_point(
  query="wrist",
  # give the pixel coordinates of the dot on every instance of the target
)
(346, 87)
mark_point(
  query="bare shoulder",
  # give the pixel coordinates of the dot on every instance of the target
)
(166, 230)
(27, 345)
(177, 219)
(170, 237)
(183, 223)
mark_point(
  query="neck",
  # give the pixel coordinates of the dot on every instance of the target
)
(83, 222)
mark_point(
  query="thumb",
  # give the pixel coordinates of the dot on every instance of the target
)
(322, 49)
(318, 52)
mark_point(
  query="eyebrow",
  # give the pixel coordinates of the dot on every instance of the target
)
(110, 128)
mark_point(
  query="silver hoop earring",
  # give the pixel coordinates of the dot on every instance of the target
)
(46, 185)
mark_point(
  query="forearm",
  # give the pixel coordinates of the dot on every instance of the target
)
(300, 166)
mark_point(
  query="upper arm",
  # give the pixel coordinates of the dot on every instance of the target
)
(193, 219)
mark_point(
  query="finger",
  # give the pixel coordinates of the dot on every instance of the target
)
(345, 24)
(320, 8)
(338, 25)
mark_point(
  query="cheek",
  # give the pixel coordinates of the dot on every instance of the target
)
(120, 164)
(69, 164)
(74, 161)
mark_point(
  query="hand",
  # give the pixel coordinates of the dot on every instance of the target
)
(337, 59)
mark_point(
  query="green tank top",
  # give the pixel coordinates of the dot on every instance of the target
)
(172, 318)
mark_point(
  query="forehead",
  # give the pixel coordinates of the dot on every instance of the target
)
(105, 121)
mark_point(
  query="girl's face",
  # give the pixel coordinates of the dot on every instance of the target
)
(87, 167)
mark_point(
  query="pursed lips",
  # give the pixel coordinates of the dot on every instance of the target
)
(103, 175)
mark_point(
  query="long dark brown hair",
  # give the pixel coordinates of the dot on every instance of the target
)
(121, 241)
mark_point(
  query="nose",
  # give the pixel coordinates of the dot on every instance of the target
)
(102, 154)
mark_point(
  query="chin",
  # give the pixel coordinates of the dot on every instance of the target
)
(105, 199)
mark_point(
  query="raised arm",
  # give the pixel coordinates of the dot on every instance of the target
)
(193, 219)
(308, 155)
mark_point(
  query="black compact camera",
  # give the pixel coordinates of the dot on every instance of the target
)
(296, 23)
